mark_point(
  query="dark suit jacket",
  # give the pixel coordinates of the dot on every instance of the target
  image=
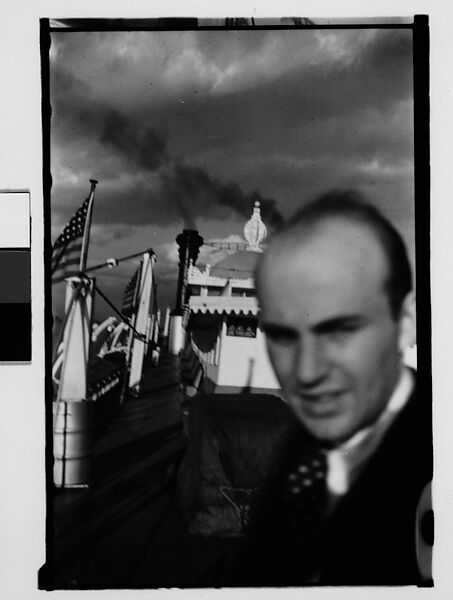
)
(369, 539)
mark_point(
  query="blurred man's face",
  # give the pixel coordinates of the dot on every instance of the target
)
(332, 339)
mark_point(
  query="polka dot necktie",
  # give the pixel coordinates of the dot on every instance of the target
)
(306, 492)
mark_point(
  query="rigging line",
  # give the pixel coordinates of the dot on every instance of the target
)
(113, 262)
(112, 306)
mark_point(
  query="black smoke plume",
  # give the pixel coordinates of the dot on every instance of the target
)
(194, 192)
(83, 115)
(140, 144)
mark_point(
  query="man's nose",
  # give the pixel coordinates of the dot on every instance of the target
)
(311, 362)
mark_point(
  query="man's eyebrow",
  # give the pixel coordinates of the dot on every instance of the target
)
(275, 329)
(342, 321)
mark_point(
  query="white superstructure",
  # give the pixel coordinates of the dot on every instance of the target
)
(223, 321)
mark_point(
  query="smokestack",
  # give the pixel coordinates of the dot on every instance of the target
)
(189, 242)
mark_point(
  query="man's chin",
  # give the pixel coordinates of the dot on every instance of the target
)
(328, 429)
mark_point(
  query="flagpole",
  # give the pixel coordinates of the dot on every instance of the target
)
(86, 231)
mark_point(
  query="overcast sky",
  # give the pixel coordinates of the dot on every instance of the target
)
(187, 129)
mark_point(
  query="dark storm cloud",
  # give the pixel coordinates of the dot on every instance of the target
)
(180, 191)
(127, 200)
(389, 53)
(248, 116)
(377, 76)
(337, 114)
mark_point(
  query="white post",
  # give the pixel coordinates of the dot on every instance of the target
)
(73, 418)
(176, 343)
(140, 322)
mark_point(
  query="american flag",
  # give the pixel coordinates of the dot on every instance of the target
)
(129, 298)
(67, 248)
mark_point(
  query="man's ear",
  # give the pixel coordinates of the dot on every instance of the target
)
(407, 323)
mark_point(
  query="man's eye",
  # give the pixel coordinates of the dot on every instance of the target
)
(344, 331)
(349, 328)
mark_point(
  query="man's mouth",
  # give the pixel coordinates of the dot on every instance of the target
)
(321, 404)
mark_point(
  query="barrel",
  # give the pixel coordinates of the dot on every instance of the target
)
(73, 444)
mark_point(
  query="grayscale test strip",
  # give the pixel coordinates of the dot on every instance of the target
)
(15, 275)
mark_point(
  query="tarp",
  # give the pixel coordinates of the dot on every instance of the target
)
(234, 441)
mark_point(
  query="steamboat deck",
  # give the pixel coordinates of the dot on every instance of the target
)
(125, 530)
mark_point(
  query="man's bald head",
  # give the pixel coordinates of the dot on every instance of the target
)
(349, 206)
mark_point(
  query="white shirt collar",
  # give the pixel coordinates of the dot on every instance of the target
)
(345, 462)
(398, 399)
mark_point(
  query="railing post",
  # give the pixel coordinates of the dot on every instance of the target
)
(164, 335)
(156, 328)
(73, 410)
(149, 326)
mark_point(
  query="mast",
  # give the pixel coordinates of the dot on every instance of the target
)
(86, 231)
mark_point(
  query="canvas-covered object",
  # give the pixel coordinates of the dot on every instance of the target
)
(234, 442)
